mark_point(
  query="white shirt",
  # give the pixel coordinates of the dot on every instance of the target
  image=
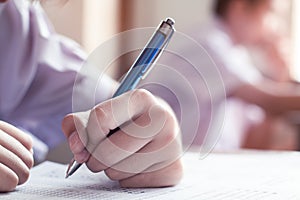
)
(38, 69)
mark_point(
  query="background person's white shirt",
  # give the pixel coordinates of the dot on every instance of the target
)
(235, 59)
(235, 68)
(241, 115)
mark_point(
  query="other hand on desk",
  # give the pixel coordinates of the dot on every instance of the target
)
(145, 152)
(16, 157)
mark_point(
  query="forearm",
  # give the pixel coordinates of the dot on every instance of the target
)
(275, 103)
(283, 104)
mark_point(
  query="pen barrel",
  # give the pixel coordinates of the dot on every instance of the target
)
(148, 57)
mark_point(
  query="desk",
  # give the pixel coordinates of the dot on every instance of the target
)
(239, 175)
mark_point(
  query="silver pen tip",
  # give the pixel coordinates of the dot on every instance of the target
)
(69, 168)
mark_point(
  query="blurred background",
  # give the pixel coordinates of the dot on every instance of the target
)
(91, 22)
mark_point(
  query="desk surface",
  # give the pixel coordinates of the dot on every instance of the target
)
(240, 175)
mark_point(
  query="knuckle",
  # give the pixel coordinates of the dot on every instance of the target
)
(142, 95)
(171, 130)
(101, 119)
(169, 138)
(10, 184)
(29, 161)
(171, 121)
(98, 111)
(28, 141)
(2, 123)
(24, 176)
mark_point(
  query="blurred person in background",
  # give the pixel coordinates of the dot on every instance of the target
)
(247, 23)
(257, 102)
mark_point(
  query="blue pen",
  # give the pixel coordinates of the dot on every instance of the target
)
(139, 69)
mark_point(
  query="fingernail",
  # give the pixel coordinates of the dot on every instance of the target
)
(73, 139)
(82, 156)
(75, 143)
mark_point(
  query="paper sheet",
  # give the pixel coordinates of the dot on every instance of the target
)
(219, 176)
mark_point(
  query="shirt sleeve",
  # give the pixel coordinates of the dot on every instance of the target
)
(38, 70)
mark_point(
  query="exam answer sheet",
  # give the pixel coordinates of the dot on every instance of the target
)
(249, 175)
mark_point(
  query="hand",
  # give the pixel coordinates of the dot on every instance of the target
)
(15, 157)
(145, 152)
(276, 50)
(274, 133)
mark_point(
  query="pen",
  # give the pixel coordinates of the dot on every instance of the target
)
(139, 69)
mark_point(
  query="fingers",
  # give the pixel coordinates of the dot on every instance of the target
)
(81, 155)
(74, 128)
(93, 127)
(153, 157)
(130, 139)
(13, 162)
(16, 133)
(115, 112)
(157, 164)
(8, 179)
(15, 147)
(15, 157)
(109, 153)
